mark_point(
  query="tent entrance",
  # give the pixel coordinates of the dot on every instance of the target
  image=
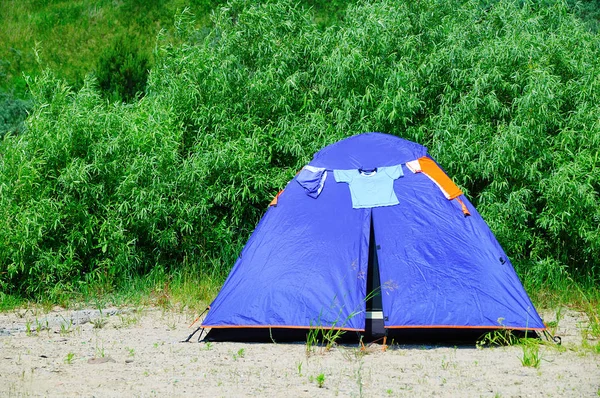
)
(374, 317)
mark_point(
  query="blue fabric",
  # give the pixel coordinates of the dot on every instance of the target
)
(301, 267)
(312, 180)
(440, 268)
(306, 263)
(371, 189)
(367, 151)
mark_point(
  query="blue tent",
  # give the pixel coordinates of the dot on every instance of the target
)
(308, 262)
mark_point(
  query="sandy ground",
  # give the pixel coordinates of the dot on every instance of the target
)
(127, 352)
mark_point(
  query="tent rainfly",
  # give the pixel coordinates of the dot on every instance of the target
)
(371, 236)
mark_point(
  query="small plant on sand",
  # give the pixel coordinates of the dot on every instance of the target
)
(319, 335)
(69, 358)
(312, 340)
(498, 337)
(240, 354)
(100, 350)
(66, 327)
(330, 334)
(553, 325)
(531, 353)
(39, 326)
(445, 363)
(300, 369)
(320, 380)
(99, 322)
(359, 379)
(127, 320)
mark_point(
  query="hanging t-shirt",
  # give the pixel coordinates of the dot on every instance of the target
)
(371, 189)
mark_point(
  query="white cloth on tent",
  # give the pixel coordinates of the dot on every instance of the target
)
(371, 188)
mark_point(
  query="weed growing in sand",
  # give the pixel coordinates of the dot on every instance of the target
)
(531, 354)
(208, 345)
(99, 350)
(131, 351)
(406, 387)
(594, 348)
(312, 340)
(359, 381)
(329, 336)
(299, 369)
(497, 337)
(39, 326)
(127, 320)
(320, 379)
(446, 364)
(240, 354)
(99, 322)
(66, 327)
(69, 358)
(553, 325)
(28, 327)
(172, 323)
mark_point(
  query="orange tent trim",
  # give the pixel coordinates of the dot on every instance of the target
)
(283, 327)
(437, 175)
(460, 327)
(275, 199)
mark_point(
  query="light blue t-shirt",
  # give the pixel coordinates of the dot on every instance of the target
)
(371, 189)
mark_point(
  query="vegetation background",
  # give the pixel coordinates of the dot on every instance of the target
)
(142, 141)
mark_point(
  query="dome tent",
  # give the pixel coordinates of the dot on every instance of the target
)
(338, 250)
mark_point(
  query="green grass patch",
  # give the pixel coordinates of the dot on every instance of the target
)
(187, 291)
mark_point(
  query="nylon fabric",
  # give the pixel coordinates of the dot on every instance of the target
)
(306, 263)
(439, 268)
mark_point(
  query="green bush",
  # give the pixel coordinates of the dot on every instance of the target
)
(122, 71)
(13, 112)
(505, 96)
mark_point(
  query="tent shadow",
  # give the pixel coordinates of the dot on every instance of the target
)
(404, 338)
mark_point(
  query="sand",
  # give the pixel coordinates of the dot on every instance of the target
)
(138, 352)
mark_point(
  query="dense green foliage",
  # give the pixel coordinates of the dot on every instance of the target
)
(506, 97)
(13, 111)
(122, 71)
(588, 11)
(69, 36)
